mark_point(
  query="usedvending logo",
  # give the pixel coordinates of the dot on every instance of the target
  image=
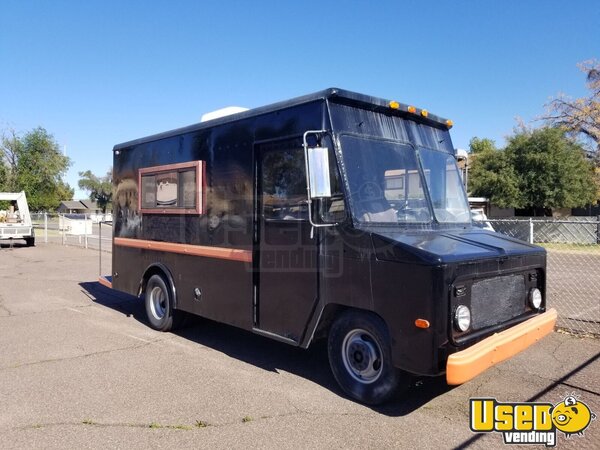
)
(530, 423)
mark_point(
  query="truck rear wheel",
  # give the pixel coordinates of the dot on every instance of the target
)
(159, 305)
(360, 357)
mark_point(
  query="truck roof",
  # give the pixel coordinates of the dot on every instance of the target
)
(339, 95)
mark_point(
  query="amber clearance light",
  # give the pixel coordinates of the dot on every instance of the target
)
(422, 323)
(394, 104)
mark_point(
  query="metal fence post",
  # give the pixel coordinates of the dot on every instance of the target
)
(85, 233)
(45, 228)
(64, 228)
(100, 248)
(530, 230)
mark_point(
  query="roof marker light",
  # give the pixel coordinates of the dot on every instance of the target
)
(412, 109)
(394, 104)
(424, 112)
(449, 123)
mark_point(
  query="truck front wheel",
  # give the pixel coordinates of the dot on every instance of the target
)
(360, 357)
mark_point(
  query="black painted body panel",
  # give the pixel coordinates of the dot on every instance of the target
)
(228, 151)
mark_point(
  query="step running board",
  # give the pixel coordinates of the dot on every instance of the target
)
(276, 337)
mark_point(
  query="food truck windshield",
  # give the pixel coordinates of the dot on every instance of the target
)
(392, 182)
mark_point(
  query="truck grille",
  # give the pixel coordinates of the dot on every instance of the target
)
(496, 300)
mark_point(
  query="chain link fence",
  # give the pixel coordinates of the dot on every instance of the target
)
(573, 272)
(83, 230)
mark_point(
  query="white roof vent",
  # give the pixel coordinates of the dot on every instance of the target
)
(223, 112)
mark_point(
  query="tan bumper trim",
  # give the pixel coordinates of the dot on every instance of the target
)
(469, 363)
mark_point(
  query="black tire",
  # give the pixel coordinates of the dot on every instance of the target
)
(360, 357)
(30, 241)
(159, 305)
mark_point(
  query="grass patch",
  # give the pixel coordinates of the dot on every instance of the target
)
(246, 419)
(179, 427)
(201, 424)
(88, 422)
(156, 425)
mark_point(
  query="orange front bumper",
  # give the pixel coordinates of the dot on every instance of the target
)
(467, 364)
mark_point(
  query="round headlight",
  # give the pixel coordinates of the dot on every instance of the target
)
(535, 298)
(462, 318)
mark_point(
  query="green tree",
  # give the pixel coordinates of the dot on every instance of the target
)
(3, 176)
(100, 188)
(538, 169)
(34, 164)
(11, 147)
(552, 169)
(492, 175)
(477, 145)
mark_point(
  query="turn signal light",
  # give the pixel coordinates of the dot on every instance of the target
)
(422, 323)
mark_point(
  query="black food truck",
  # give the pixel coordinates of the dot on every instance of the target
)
(335, 215)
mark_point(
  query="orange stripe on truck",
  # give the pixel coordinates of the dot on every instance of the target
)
(232, 254)
(469, 363)
(105, 282)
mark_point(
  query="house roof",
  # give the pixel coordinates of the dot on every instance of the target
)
(73, 204)
(89, 204)
(80, 205)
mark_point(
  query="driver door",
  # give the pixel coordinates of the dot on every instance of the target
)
(287, 262)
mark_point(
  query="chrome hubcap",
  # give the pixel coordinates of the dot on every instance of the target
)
(362, 356)
(158, 303)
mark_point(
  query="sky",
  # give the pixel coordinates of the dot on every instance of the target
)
(98, 73)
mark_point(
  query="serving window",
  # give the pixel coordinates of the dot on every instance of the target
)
(172, 189)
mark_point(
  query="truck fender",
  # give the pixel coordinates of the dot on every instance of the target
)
(324, 316)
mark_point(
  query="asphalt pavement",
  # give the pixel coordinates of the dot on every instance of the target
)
(79, 368)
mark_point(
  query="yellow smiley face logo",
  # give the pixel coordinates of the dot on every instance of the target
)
(571, 416)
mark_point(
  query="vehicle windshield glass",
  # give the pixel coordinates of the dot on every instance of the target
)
(445, 187)
(387, 186)
(385, 181)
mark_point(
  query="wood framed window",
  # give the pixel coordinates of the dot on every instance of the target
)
(172, 189)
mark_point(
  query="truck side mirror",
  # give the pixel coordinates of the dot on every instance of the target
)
(318, 171)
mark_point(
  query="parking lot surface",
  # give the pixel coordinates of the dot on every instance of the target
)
(79, 368)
